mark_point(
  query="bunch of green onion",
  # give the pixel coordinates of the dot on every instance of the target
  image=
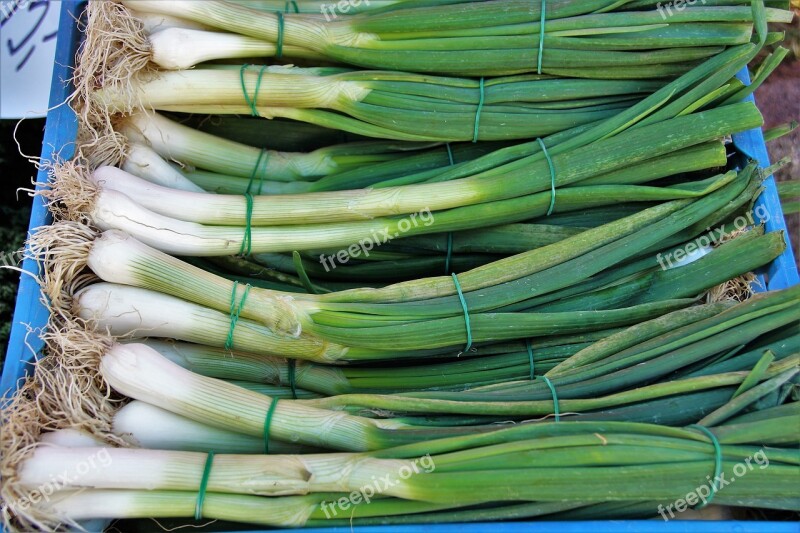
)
(575, 38)
(384, 104)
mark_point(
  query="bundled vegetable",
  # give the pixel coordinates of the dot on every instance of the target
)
(219, 165)
(390, 105)
(532, 465)
(577, 38)
(372, 323)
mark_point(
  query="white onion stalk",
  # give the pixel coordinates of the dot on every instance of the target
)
(147, 426)
(296, 90)
(262, 475)
(113, 210)
(182, 48)
(138, 313)
(71, 507)
(139, 372)
(176, 142)
(335, 206)
(143, 162)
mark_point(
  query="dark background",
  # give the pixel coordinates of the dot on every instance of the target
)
(15, 172)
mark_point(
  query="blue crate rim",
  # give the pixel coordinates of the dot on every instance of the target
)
(30, 315)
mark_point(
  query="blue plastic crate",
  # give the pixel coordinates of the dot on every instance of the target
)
(30, 315)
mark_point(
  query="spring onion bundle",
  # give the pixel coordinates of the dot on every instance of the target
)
(224, 166)
(371, 323)
(390, 105)
(533, 465)
(579, 38)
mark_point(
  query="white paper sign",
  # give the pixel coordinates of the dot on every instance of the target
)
(27, 50)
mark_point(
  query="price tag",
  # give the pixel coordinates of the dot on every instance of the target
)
(28, 30)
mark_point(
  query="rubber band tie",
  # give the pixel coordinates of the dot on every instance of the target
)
(235, 312)
(466, 312)
(478, 113)
(261, 157)
(252, 103)
(293, 4)
(717, 462)
(279, 44)
(268, 423)
(247, 241)
(552, 177)
(555, 398)
(201, 492)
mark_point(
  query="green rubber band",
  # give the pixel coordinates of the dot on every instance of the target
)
(261, 155)
(542, 21)
(235, 312)
(268, 423)
(530, 357)
(279, 44)
(450, 154)
(201, 492)
(552, 177)
(293, 4)
(252, 103)
(555, 398)
(449, 256)
(717, 463)
(247, 241)
(292, 371)
(466, 312)
(478, 113)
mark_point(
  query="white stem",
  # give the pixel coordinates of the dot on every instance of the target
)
(115, 210)
(178, 48)
(335, 206)
(289, 511)
(177, 142)
(138, 313)
(140, 372)
(262, 475)
(143, 162)
(212, 86)
(148, 426)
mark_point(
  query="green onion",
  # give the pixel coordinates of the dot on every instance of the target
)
(497, 37)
